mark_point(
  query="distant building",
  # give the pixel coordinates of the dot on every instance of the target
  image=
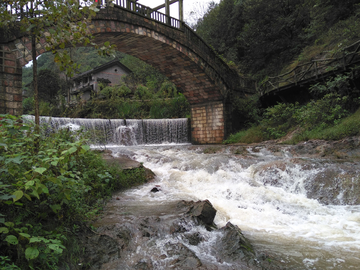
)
(87, 83)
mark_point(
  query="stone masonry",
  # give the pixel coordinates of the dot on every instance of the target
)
(10, 82)
(199, 75)
(207, 123)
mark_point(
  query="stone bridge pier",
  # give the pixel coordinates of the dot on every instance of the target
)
(208, 122)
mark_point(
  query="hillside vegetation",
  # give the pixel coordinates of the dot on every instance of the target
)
(264, 38)
(145, 93)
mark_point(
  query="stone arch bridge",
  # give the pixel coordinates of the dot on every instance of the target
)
(161, 41)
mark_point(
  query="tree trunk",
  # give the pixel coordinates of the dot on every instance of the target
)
(36, 92)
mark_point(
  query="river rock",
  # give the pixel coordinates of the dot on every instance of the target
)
(167, 236)
(203, 211)
(126, 163)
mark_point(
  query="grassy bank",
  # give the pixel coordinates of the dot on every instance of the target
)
(49, 191)
(332, 115)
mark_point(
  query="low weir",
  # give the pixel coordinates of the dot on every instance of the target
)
(121, 132)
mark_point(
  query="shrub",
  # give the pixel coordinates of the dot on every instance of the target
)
(45, 190)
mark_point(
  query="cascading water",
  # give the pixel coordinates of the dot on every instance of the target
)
(265, 195)
(116, 132)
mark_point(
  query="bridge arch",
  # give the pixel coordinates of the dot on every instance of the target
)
(180, 54)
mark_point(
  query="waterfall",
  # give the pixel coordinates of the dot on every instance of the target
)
(123, 132)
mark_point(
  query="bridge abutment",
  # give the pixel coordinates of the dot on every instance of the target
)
(10, 82)
(208, 123)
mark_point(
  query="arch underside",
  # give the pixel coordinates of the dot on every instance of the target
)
(173, 61)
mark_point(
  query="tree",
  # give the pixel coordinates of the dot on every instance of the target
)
(273, 33)
(221, 26)
(65, 21)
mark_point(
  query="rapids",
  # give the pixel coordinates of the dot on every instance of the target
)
(266, 195)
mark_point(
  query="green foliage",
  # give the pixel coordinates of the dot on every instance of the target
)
(278, 120)
(262, 37)
(251, 135)
(123, 103)
(247, 110)
(319, 118)
(340, 85)
(28, 105)
(322, 113)
(46, 190)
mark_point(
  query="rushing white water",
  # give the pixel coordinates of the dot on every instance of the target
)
(278, 218)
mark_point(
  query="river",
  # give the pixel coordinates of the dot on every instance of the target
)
(262, 193)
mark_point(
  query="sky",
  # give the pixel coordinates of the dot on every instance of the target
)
(193, 9)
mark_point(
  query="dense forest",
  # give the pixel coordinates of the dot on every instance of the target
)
(263, 37)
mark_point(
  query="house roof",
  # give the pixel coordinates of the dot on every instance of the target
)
(100, 68)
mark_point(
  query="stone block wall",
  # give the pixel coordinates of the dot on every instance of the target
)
(207, 123)
(10, 82)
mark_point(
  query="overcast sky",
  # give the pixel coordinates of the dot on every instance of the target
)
(192, 8)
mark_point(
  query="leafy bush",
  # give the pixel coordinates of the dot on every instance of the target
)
(28, 105)
(323, 112)
(45, 190)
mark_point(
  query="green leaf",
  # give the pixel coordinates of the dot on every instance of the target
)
(24, 128)
(29, 184)
(56, 207)
(6, 197)
(72, 150)
(12, 240)
(16, 160)
(40, 170)
(4, 230)
(55, 247)
(27, 196)
(25, 235)
(44, 188)
(31, 253)
(54, 163)
(3, 145)
(85, 147)
(9, 224)
(36, 194)
(18, 195)
(35, 239)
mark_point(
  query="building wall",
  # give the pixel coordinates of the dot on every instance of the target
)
(113, 74)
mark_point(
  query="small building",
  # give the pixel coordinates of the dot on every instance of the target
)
(87, 83)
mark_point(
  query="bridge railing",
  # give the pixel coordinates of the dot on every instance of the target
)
(22, 10)
(144, 11)
(315, 68)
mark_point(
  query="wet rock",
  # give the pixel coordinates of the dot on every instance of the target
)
(234, 245)
(185, 258)
(194, 238)
(126, 163)
(99, 249)
(155, 189)
(203, 211)
(143, 265)
(169, 236)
